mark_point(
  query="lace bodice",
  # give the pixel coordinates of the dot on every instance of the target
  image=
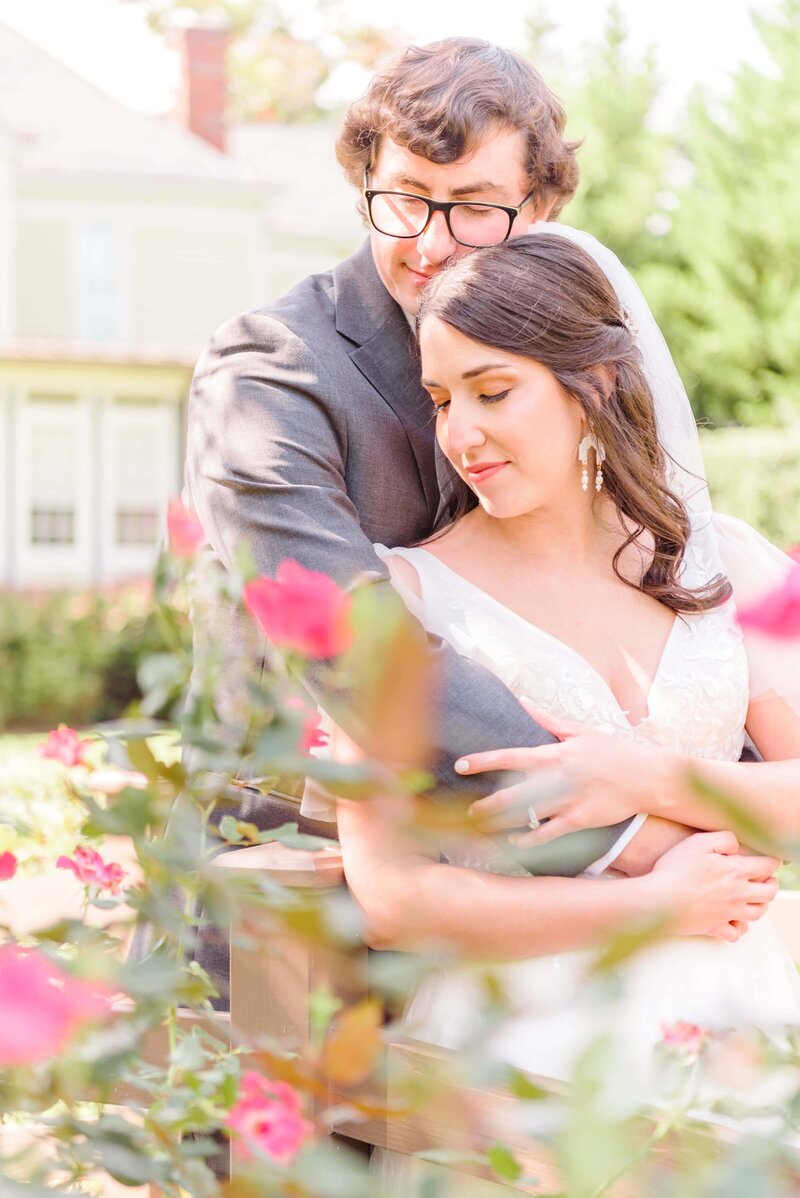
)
(698, 699)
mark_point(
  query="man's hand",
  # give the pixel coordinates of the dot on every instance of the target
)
(712, 888)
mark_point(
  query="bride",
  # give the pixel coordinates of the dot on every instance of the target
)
(585, 570)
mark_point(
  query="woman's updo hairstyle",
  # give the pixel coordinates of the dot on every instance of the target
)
(543, 297)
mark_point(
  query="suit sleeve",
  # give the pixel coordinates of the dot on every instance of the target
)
(266, 458)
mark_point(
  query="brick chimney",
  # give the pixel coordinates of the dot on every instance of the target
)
(203, 89)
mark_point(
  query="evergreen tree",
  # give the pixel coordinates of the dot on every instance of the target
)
(622, 157)
(729, 303)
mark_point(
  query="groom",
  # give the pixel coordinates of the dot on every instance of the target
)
(309, 433)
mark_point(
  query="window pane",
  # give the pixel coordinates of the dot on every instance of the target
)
(136, 527)
(100, 282)
(52, 473)
(53, 526)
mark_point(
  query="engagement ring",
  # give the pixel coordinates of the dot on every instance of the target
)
(533, 819)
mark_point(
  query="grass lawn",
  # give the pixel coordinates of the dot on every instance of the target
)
(40, 817)
(14, 743)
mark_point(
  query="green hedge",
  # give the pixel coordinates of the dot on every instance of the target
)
(754, 473)
(71, 657)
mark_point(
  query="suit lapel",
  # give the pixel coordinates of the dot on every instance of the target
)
(384, 350)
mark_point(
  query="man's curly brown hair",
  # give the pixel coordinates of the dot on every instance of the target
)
(439, 101)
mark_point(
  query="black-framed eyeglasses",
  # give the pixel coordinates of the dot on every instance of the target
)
(403, 214)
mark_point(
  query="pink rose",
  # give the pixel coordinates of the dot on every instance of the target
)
(688, 1038)
(41, 1006)
(8, 866)
(301, 609)
(311, 736)
(184, 530)
(90, 868)
(267, 1118)
(66, 746)
(778, 613)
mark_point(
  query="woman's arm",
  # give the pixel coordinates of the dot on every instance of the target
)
(768, 791)
(606, 777)
(410, 899)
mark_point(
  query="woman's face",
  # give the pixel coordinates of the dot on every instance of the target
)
(503, 421)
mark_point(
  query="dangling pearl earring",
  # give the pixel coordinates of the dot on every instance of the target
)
(591, 441)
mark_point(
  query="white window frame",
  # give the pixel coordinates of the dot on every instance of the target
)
(163, 416)
(48, 564)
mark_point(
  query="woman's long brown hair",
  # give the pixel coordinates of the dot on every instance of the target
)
(543, 297)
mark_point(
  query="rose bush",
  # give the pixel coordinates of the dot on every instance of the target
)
(78, 1022)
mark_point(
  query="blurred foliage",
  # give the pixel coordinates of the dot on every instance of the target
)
(703, 214)
(728, 298)
(754, 473)
(73, 656)
(623, 160)
(199, 1087)
(277, 72)
(705, 219)
(41, 816)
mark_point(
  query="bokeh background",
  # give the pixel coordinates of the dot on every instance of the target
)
(164, 165)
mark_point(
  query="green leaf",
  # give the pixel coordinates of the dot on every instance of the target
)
(417, 781)
(503, 1162)
(245, 562)
(738, 818)
(229, 829)
(129, 813)
(521, 1086)
(189, 1056)
(288, 834)
(155, 976)
(330, 1171)
(126, 1163)
(627, 943)
(143, 759)
(24, 1189)
(322, 1006)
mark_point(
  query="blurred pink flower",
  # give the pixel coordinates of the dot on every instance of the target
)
(778, 613)
(90, 868)
(301, 609)
(66, 746)
(688, 1038)
(267, 1118)
(311, 736)
(8, 866)
(184, 530)
(41, 1006)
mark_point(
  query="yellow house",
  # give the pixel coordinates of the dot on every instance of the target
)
(124, 241)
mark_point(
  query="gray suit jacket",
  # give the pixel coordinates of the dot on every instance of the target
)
(310, 437)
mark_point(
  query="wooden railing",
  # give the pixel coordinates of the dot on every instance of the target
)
(269, 999)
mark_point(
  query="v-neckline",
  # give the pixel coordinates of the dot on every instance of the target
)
(570, 648)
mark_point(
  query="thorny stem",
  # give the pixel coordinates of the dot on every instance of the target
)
(191, 895)
(669, 1120)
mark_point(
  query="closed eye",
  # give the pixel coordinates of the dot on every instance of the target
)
(494, 398)
(440, 407)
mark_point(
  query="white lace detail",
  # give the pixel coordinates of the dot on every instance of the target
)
(697, 705)
(698, 699)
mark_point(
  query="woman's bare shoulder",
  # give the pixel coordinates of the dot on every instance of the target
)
(404, 572)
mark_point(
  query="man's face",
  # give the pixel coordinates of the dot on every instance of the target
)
(493, 173)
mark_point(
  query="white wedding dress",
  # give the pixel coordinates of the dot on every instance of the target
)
(696, 706)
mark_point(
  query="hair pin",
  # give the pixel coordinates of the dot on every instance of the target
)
(629, 323)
